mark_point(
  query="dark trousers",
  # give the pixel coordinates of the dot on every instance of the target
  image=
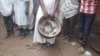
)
(8, 21)
(69, 25)
(85, 22)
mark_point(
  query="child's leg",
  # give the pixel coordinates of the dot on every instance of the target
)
(11, 25)
(81, 23)
(65, 26)
(22, 31)
(87, 28)
(8, 24)
(72, 24)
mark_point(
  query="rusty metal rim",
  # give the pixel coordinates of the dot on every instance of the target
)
(47, 36)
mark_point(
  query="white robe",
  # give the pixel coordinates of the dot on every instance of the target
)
(19, 11)
(49, 4)
(6, 7)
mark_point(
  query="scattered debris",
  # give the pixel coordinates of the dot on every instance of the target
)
(81, 50)
(28, 46)
(66, 41)
(73, 43)
(87, 53)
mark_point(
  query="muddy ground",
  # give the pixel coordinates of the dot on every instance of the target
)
(15, 46)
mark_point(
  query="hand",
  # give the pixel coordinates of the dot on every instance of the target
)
(52, 16)
(46, 15)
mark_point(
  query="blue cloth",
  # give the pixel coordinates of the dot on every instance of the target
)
(85, 22)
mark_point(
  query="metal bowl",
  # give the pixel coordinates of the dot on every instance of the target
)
(49, 28)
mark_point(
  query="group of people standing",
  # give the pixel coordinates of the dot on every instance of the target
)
(20, 13)
(27, 13)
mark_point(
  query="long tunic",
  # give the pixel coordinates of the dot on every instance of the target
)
(19, 11)
(49, 4)
(6, 7)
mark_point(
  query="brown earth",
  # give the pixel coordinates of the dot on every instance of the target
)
(15, 46)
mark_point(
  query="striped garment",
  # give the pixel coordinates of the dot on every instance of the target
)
(89, 6)
(70, 8)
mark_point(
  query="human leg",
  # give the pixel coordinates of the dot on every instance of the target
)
(81, 22)
(87, 27)
(8, 24)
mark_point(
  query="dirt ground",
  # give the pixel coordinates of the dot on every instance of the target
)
(15, 46)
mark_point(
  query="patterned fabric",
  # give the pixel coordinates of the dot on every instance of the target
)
(70, 8)
(88, 6)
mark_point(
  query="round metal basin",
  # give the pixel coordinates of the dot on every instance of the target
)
(48, 27)
(96, 45)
